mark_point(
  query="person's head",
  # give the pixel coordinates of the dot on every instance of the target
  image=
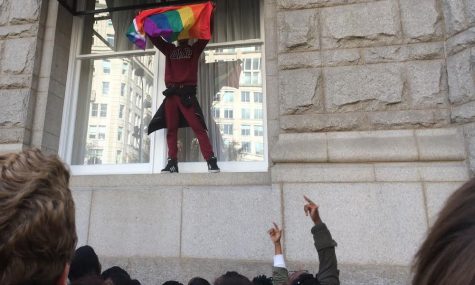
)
(183, 42)
(232, 278)
(134, 282)
(85, 262)
(37, 224)
(447, 256)
(172, 282)
(261, 280)
(302, 277)
(116, 275)
(89, 280)
(198, 281)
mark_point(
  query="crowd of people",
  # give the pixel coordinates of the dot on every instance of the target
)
(38, 237)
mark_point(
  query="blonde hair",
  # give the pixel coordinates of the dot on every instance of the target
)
(37, 225)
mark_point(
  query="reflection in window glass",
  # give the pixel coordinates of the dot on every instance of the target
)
(103, 110)
(245, 114)
(258, 131)
(234, 70)
(258, 97)
(257, 114)
(117, 127)
(245, 130)
(226, 74)
(245, 96)
(105, 88)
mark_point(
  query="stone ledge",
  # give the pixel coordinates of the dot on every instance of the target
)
(370, 172)
(91, 182)
(370, 146)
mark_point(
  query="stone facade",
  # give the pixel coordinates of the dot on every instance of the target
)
(370, 111)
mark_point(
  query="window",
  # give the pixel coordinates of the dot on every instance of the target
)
(122, 89)
(259, 147)
(120, 130)
(92, 131)
(252, 74)
(245, 114)
(102, 67)
(228, 129)
(105, 88)
(246, 147)
(121, 111)
(258, 132)
(228, 113)
(118, 157)
(106, 66)
(101, 132)
(94, 156)
(228, 97)
(245, 96)
(94, 109)
(103, 110)
(257, 114)
(245, 130)
(215, 112)
(258, 97)
(110, 40)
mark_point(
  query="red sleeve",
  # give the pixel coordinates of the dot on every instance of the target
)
(199, 46)
(162, 45)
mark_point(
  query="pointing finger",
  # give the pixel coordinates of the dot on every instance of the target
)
(308, 200)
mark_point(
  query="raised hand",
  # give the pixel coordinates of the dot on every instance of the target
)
(311, 209)
(275, 234)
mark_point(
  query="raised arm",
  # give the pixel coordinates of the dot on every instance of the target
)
(199, 46)
(279, 271)
(162, 45)
(328, 273)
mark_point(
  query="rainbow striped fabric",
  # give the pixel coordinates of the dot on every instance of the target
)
(172, 23)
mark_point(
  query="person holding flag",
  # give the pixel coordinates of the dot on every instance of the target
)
(180, 108)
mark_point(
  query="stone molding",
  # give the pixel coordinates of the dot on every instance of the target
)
(370, 146)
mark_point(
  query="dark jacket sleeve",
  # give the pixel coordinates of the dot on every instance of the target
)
(162, 45)
(199, 46)
(279, 275)
(328, 273)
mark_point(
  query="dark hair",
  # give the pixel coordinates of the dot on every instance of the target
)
(88, 280)
(232, 278)
(117, 275)
(134, 282)
(172, 282)
(198, 281)
(448, 253)
(37, 223)
(262, 280)
(85, 262)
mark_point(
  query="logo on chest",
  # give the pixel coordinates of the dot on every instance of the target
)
(181, 53)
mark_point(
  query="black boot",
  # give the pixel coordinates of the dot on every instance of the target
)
(172, 166)
(213, 165)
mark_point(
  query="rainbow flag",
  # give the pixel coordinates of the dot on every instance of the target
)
(172, 23)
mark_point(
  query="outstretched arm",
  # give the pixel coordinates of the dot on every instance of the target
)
(279, 272)
(328, 273)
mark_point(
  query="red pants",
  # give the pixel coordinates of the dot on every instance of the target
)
(173, 107)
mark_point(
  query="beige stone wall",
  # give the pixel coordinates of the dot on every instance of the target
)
(20, 35)
(370, 111)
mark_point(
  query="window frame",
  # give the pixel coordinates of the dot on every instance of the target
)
(158, 152)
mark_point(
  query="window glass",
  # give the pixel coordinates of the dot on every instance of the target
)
(130, 119)
(114, 102)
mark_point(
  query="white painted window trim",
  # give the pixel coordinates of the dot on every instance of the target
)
(158, 140)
